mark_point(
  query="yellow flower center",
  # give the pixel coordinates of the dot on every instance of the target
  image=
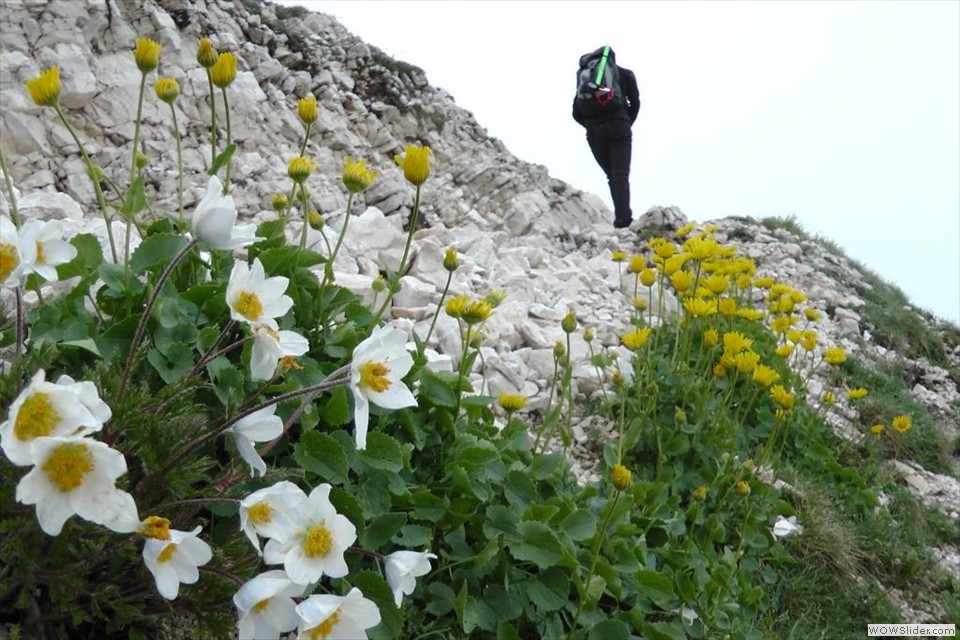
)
(36, 418)
(155, 527)
(9, 260)
(317, 542)
(248, 305)
(374, 375)
(167, 554)
(68, 465)
(260, 513)
(322, 630)
(260, 606)
(41, 258)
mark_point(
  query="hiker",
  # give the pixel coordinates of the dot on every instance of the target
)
(606, 104)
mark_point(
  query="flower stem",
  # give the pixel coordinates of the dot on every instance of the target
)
(598, 542)
(395, 280)
(176, 135)
(328, 271)
(11, 198)
(226, 111)
(136, 128)
(138, 335)
(436, 314)
(96, 182)
(213, 120)
(305, 214)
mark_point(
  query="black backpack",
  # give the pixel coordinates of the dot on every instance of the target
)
(598, 83)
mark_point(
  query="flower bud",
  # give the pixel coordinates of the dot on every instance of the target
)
(141, 160)
(743, 488)
(300, 168)
(224, 71)
(450, 260)
(147, 54)
(167, 89)
(315, 220)
(588, 335)
(621, 477)
(45, 88)
(280, 202)
(569, 322)
(206, 54)
(307, 109)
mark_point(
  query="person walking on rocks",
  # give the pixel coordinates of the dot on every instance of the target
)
(607, 104)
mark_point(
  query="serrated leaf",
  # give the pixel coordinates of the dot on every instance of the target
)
(414, 535)
(156, 250)
(519, 489)
(382, 452)
(135, 200)
(88, 259)
(538, 544)
(655, 586)
(321, 454)
(550, 590)
(500, 519)
(579, 525)
(664, 631)
(610, 630)
(174, 364)
(381, 529)
(335, 409)
(221, 159)
(437, 391)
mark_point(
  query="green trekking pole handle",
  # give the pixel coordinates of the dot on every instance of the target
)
(603, 65)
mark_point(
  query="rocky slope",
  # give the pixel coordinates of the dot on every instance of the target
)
(544, 242)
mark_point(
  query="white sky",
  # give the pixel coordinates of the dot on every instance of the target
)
(844, 114)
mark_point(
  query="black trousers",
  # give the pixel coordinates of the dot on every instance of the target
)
(611, 143)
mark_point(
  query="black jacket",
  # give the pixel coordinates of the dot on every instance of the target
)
(628, 85)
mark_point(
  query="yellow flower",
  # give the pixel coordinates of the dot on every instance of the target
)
(682, 281)
(155, 527)
(710, 338)
(511, 402)
(812, 314)
(743, 281)
(206, 54)
(752, 315)
(477, 312)
(495, 298)
(687, 228)
(225, 71)
(300, 168)
(747, 361)
(828, 397)
(588, 335)
(280, 202)
(719, 371)
(835, 355)
(315, 220)
(647, 276)
(727, 306)
(450, 260)
(45, 88)
(356, 176)
(166, 89)
(663, 248)
(635, 339)
(638, 264)
(307, 109)
(621, 477)
(734, 342)
(856, 394)
(902, 424)
(785, 350)
(618, 256)
(717, 284)
(876, 429)
(763, 283)
(701, 247)
(147, 54)
(809, 340)
(700, 493)
(697, 307)
(415, 164)
(640, 304)
(743, 488)
(782, 397)
(457, 306)
(569, 322)
(764, 375)
(783, 304)
(672, 265)
(781, 324)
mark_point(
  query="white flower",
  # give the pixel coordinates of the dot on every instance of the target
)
(337, 617)
(403, 568)
(176, 560)
(214, 220)
(785, 527)
(270, 345)
(379, 364)
(77, 476)
(11, 262)
(266, 606)
(44, 409)
(253, 297)
(315, 545)
(42, 248)
(268, 512)
(98, 411)
(259, 426)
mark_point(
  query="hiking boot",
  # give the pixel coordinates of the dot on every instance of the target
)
(622, 223)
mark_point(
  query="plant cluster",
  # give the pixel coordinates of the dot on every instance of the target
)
(204, 387)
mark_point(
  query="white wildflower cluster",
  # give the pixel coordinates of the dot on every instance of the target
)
(308, 537)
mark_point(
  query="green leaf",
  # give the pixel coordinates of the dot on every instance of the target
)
(519, 489)
(506, 631)
(335, 409)
(86, 343)
(538, 544)
(440, 602)
(88, 259)
(221, 159)
(414, 535)
(655, 586)
(155, 251)
(579, 525)
(546, 466)
(116, 339)
(500, 519)
(381, 529)
(285, 259)
(321, 454)
(427, 506)
(610, 630)
(550, 590)
(382, 452)
(677, 445)
(135, 201)
(436, 390)
(174, 364)
(664, 631)
(375, 588)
